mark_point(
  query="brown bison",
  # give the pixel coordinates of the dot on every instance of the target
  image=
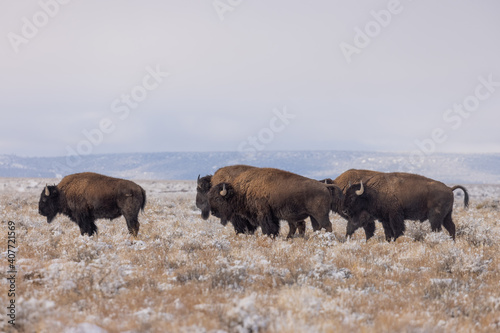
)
(204, 184)
(85, 197)
(265, 196)
(240, 223)
(393, 197)
(344, 181)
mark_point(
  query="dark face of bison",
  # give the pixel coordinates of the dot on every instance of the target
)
(355, 206)
(49, 203)
(202, 189)
(220, 198)
(362, 219)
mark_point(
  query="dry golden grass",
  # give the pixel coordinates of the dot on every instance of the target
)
(184, 274)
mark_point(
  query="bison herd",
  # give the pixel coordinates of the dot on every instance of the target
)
(249, 197)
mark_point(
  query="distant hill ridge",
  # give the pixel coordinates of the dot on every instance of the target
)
(449, 168)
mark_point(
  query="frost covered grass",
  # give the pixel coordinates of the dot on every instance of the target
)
(184, 274)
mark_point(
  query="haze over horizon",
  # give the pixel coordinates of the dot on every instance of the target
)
(81, 78)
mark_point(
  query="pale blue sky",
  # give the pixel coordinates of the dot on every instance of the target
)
(91, 77)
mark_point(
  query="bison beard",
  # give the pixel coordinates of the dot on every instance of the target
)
(85, 197)
(344, 181)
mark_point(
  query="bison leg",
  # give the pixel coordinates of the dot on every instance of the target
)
(270, 226)
(369, 229)
(88, 228)
(85, 221)
(449, 225)
(301, 225)
(397, 223)
(242, 225)
(87, 225)
(292, 225)
(436, 218)
(250, 228)
(435, 225)
(315, 225)
(387, 230)
(324, 221)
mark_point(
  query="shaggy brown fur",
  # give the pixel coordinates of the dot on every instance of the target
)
(345, 180)
(393, 197)
(85, 197)
(265, 195)
(240, 223)
(225, 174)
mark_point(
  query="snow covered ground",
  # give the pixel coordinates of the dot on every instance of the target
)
(184, 274)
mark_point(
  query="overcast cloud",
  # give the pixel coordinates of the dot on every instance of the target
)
(162, 75)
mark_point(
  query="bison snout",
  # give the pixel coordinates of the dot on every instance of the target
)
(205, 214)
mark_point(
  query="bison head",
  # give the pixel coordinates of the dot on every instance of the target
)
(49, 203)
(202, 188)
(220, 198)
(326, 181)
(356, 206)
(337, 197)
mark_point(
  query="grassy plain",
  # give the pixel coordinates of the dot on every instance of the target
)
(184, 274)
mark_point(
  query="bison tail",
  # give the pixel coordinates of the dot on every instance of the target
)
(143, 204)
(466, 194)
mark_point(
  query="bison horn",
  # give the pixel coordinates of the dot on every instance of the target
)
(224, 191)
(361, 190)
(47, 192)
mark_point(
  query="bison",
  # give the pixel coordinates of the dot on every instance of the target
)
(393, 197)
(225, 174)
(265, 196)
(85, 197)
(344, 181)
(240, 223)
